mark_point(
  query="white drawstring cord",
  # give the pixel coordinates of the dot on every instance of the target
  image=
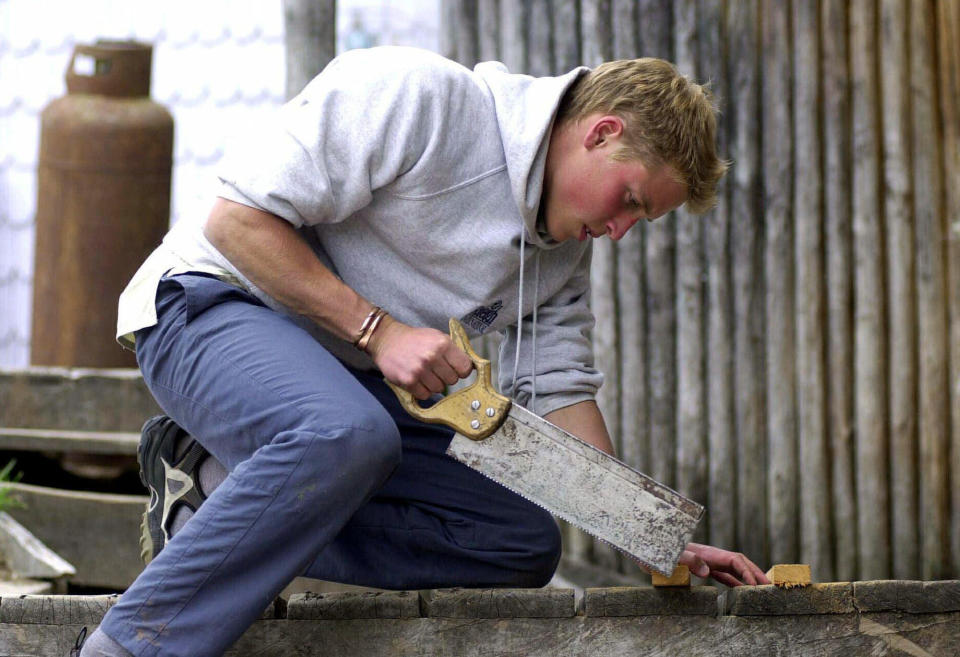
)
(536, 305)
(516, 358)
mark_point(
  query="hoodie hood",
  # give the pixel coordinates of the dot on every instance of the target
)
(525, 109)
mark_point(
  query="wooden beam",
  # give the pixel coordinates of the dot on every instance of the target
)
(56, 440)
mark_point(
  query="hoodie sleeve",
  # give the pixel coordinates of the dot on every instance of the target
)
(564, 361)
(358, 126)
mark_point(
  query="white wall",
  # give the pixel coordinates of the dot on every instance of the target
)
(217, 65)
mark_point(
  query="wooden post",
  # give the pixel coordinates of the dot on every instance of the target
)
(623, 19)
(807, 203)
(747, 278)
(835, 77)
(566, 35)
(691, 394)
(310, 40)
(596, 41)
(540, 46)
(901, 306)
(873, 528)
(948, 38)
(722, 488)
(631, 291)
(513, 33)
(488, 21)
(655, 30)
(934, 387)
(782, 479)
(468, 32)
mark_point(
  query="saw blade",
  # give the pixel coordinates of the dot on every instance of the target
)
(585, 487)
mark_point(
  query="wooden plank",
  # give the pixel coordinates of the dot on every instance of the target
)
(810, 295)
(566, 35)
(720, 424)
(830, 635)
(498, 603)
(623, 19)
(488, 21)
(56, 609)
(513, 31)
(631, 292)
(310, 40)
(75, 399)
(901, 287)
(352, 605)
(837, 216)
(448, 29)
(691, 384)
(930, 223)
(656, 17)
(539, 42)
(908, 597)
(873, 529)
(596, 45)
(467, 32)
(948, 39)
(783, 478)
(770, 600)
(96, 532)
(743, 28)
(58, 440)
(648, 601)
(26, 555)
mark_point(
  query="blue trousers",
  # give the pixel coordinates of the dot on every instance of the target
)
(329, 478)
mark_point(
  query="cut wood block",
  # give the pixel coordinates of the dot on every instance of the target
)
(679, 577)
(789, 575)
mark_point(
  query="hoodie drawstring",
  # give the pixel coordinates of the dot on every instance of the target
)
(536, 303)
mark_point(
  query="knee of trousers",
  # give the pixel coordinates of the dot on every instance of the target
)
(364, 440)
(541, 536)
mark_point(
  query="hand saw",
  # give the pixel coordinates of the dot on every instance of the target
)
(566, 476)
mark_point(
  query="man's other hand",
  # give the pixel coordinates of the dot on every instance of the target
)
(730, 568)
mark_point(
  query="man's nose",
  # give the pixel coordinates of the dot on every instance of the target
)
(618, 227)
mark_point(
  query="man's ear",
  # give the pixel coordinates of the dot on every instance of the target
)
(602, 130)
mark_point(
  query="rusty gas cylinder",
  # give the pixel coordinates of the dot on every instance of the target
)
(103, 202)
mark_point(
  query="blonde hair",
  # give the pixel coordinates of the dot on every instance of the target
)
(669, 120)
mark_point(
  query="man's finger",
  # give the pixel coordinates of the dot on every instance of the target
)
(431, 382)
(446, 373)
(741, 567)
(726, 579)
(696, 565)
(418, 391)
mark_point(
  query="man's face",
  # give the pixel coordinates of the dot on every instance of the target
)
(589, 194)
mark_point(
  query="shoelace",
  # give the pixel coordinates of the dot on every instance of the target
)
(78, 644)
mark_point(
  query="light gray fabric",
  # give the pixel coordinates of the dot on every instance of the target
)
(414, 179)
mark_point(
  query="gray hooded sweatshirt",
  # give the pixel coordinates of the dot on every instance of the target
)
(417, 182)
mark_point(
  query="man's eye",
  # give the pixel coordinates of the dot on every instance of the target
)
(634, 202)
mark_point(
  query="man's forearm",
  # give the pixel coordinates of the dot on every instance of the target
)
(584, 421)
(269, 252)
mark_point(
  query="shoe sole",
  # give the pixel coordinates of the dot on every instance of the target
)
(147, 547)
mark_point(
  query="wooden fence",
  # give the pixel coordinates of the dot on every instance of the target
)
(792, 358)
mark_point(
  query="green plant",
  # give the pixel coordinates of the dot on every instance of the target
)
(8, 499)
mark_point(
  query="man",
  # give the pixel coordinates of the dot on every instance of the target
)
(397, 190)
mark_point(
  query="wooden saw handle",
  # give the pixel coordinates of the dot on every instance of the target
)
(476, 411)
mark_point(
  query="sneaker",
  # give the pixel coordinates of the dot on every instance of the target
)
(172, 477)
